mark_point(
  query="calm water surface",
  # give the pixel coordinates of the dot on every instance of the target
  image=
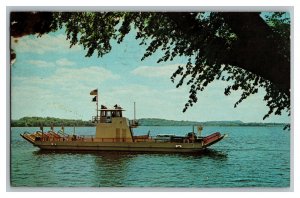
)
(248, 157)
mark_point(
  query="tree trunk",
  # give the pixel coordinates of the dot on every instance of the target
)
(257, 49)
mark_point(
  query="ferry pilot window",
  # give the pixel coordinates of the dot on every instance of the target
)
(118, 114)
(103, 113)
(108, 116)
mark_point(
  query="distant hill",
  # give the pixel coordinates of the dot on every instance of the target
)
(48, 121)
(164, 122)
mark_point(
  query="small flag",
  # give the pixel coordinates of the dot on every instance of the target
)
(94, 99)
(94, 92)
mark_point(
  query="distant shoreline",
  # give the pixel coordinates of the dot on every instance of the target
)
(48, 121)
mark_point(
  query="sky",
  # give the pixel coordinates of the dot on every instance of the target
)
(51, 79)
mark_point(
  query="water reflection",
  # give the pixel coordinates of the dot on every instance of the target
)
(112, 168)
(120, 155)
(119, 169)
(215, 154)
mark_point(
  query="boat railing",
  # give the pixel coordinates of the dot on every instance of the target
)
(63, 134)
(85, 138)
(92, 138)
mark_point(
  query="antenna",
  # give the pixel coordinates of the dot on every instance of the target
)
(97, 104)
(134, 111)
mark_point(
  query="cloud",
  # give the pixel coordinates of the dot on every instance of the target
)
(45, 64)
(43, 44)
(64, 62)
(69, 78)
(41, 63)
(85, 78)
(155, 71)
(65, 90)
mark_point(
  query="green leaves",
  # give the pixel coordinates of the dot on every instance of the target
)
(93, 31)
(240, 48)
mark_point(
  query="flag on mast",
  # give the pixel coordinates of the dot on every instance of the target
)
(94, 99)
(94, 92)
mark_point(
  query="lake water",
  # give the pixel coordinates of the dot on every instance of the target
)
(248, 157)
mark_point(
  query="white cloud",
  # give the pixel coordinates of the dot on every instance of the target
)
(64, 62)
(43, 44)
(69, 78)
(65, 92)
(40, 63)
(44, 64)
(155, 71)
(89, 75)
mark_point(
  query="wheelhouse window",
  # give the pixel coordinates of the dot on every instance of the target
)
(103, 113)
(118, 113)
(106, 115)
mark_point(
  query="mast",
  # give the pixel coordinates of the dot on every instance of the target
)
(95, 99)
(97, 105)
(134, 111)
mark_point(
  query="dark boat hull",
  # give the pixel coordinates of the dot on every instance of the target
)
(122, 146)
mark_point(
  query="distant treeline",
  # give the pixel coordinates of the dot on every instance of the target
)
(48, 121)
(164, 122)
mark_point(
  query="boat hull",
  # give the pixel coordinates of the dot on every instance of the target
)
(122, 146)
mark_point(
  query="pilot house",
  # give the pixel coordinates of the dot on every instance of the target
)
(112, 127)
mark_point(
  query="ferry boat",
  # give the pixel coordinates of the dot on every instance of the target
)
(115, 133)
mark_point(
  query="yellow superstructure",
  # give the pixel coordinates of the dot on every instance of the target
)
(116, 130)
(112, 126)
